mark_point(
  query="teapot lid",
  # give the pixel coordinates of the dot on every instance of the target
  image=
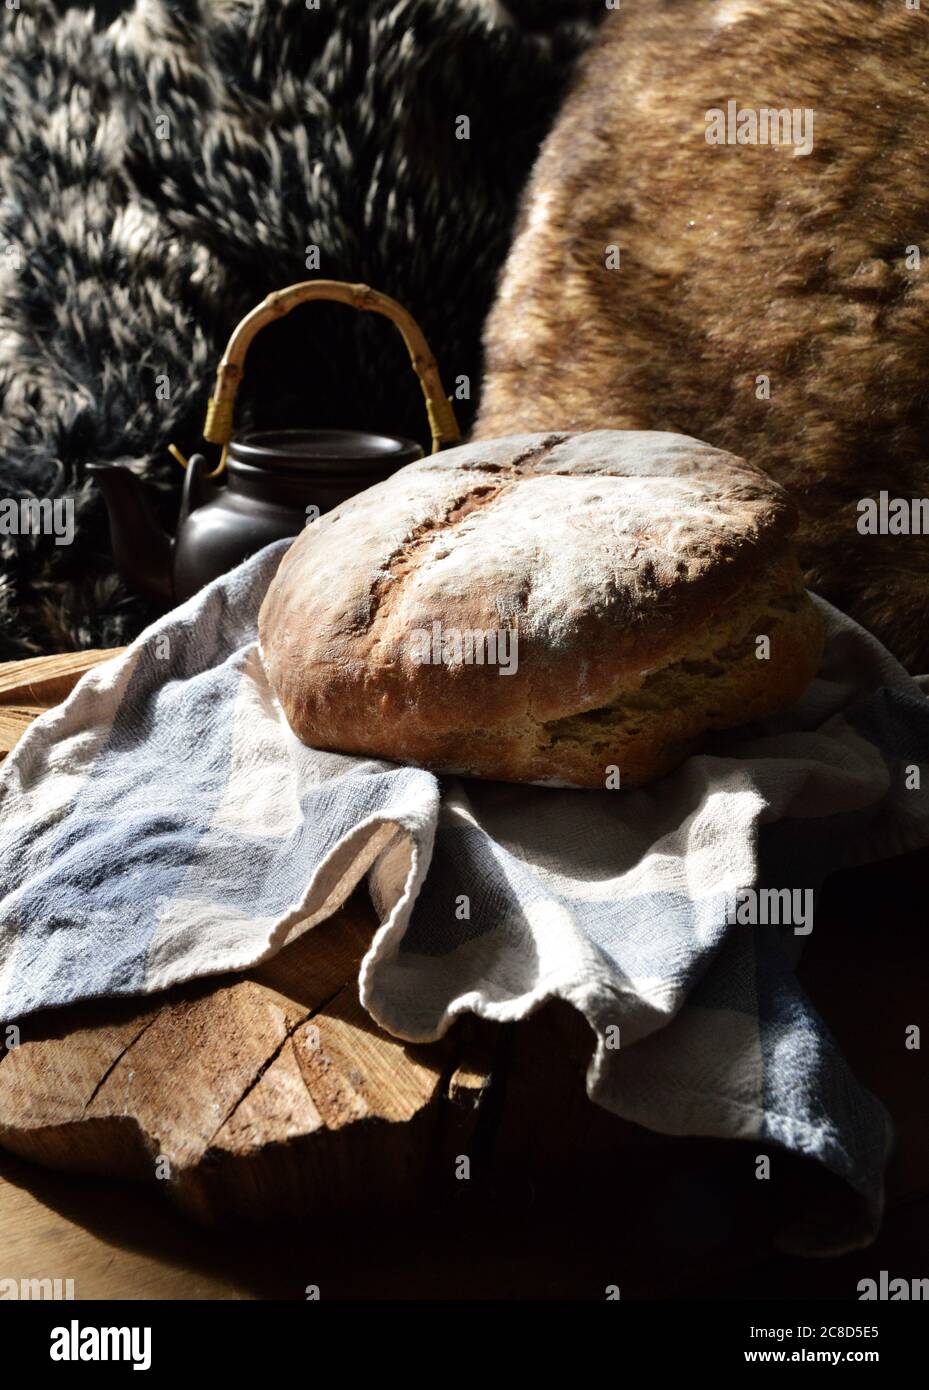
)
(311, 450)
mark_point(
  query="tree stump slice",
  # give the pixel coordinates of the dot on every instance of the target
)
(259, 1095)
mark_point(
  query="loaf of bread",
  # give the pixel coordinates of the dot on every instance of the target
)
(562, 609)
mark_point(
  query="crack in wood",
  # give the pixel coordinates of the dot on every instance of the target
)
(304, 1018)
(115, 1063)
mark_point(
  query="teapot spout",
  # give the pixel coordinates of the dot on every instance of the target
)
(141, 549)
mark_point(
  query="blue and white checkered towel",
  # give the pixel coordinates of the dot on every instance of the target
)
(164, 823)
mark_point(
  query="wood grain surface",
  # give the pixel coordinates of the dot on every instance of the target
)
(254, 1095)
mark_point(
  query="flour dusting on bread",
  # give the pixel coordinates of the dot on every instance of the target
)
(461, 614)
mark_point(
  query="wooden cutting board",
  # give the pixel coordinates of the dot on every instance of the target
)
(252, 1094)
(272, 1094)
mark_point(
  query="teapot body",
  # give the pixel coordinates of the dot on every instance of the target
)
(277, 482)
(221, 534)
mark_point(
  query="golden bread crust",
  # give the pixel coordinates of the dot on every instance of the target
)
(615, 555)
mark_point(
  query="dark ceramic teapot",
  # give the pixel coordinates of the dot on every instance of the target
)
(276, 480)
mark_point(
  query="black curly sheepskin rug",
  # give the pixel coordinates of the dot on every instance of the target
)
(163, 170)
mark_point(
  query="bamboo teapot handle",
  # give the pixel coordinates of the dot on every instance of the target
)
(217, 428)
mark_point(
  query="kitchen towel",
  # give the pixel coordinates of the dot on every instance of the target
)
(164, 824)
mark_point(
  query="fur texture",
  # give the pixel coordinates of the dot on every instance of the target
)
(125, 256)
(743, 261)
